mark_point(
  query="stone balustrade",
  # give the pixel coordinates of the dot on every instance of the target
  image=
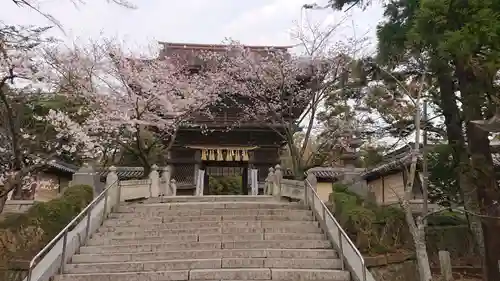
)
(278, 186)
(156, 185)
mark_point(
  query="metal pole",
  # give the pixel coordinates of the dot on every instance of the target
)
(324, 214)
(313, 206)
(364, 271)
(118, 198)
(63, 254)
(30, 272)
(306, 187)
(341, 249)
(87, 230)
(105, 210)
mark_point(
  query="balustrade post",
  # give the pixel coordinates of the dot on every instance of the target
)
(278, 176)
(113, 193)
(268, 190)
(87, 175)
(200, 182)
(254, 181)
(154, 177)
(173, 187)
(165, 176)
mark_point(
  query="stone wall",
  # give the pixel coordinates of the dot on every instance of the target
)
(393, 267)
(17, 206)
(402, 266)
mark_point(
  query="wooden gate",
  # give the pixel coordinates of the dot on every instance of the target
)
(224, 175)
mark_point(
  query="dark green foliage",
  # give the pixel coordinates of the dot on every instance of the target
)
(443, 167)
(374, 229)
(379, 229)
(372, 156)
(225, 185)
(347, 4)
(23, 235)
(457, 240)
(447, 219)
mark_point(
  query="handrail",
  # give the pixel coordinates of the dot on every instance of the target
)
(64, 232)
(326, 211)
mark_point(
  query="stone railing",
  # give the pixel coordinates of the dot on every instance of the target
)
(159, 182)
(306, 192)
(155, 185)
(278, 186)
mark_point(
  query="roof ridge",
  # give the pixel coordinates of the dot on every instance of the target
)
(218, 46)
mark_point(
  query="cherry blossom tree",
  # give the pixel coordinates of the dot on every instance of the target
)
(285, 90)
(133, 95)
(30, 135)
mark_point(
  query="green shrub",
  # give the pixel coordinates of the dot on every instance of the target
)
(342, 188)
(23, 235)
(225, 185)
(447, 219)
(380, 229)
(373, 228)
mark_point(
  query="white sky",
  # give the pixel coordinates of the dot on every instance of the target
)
(256, 22)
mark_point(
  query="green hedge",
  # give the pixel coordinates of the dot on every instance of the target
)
(225, 185)
(381, 229)
(23, 235)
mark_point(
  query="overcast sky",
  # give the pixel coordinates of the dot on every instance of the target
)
(255, 22)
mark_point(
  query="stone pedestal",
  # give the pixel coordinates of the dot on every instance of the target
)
(87, 175)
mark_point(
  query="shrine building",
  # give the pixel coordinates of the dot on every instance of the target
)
(218, 147)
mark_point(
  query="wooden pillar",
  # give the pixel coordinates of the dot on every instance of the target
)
(247, 173)
(197, 164)
(244, 179)
(197, 167)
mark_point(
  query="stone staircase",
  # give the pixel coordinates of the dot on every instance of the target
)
(207, 238)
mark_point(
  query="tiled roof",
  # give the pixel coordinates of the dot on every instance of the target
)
(329, 173)
(394, 161)
(188, 53)
(217, 47)
(124, 172)
(402, 157)
(63, 166)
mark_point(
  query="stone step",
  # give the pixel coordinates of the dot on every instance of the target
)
(212, 198)
(178, 275)
(267, 274)
(139, 234)
(165, 265)
(207, 254)
(214, 274)
(209, 205)
(131, 220)
(310, 274)
(153, 212)
(207, 238)
(158, 247)
(210, 224)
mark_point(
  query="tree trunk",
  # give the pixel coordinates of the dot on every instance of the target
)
(453, 123)
(416, 226)
(424, 268)
(482, 168)
(18, 192)
(3, 199)
(147, 169)
(295, 155)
